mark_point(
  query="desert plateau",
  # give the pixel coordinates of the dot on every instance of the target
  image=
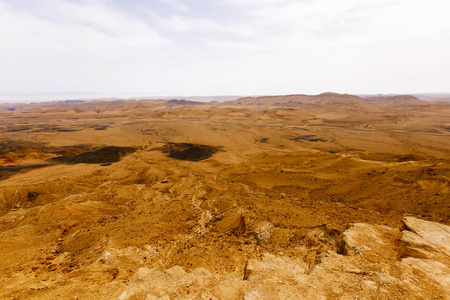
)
(329, 196)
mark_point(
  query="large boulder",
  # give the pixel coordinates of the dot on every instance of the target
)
(425, 239)
(372, 241)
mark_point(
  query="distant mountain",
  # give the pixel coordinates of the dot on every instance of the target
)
(176, 102)
(433, 96)
(330, 99)
(399, 100)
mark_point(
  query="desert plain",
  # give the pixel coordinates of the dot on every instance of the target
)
(331, 196)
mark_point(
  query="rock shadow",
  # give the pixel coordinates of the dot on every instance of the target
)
(189, 152)
(10, 170)
(309, 138)
(104, 155)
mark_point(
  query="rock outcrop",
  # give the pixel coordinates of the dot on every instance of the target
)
(375, 262)
(426, 239)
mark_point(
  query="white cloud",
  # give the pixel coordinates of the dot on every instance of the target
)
(89, 28)
(357, 21)
(178, 5)
(182, 24)
(67, 46)
(235, 47)
(255, 3)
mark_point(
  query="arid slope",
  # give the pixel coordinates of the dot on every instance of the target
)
(95, 195)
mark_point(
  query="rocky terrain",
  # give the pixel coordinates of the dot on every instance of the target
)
(291, 197)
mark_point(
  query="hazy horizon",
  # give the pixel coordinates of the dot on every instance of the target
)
(48, 97)
(55, 96)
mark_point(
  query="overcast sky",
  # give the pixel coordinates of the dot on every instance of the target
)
(224, 47)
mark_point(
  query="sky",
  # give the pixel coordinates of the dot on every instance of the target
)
(223, 47)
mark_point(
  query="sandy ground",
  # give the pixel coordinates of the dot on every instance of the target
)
(260, 176)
